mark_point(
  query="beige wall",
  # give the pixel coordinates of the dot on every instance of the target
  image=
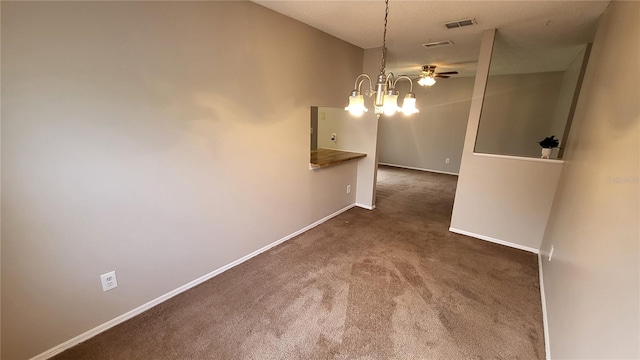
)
(517, 112)
(336, 121)
(592, 282)
(426, 139)
(367, 141)
(566, 94)
(504, 200)
(155, 139)
(345, 126)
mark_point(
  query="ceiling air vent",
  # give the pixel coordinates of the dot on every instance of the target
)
(460, 23)
(438, 44)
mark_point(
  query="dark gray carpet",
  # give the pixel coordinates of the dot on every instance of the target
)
(392, 283)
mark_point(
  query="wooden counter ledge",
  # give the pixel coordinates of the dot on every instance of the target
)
(327, 157)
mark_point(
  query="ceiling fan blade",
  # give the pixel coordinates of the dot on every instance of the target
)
(441, 76)
(447, 73)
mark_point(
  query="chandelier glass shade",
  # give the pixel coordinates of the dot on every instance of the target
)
(356, 105)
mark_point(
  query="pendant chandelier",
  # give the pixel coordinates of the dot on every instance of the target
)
(386, 95)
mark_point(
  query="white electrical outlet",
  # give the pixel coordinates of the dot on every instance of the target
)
(334, 137)
(551, 253)
(109, 281)
(446, 161)
(348, 189)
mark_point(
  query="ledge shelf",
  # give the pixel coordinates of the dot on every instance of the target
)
(326, 157)
(520, 158)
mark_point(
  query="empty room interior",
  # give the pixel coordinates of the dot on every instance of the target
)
(320, 180)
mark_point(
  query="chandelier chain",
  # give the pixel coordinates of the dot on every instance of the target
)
(383, 63)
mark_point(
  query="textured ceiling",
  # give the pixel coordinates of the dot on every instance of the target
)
(533, 35)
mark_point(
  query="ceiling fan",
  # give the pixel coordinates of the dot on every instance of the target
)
(429, 75)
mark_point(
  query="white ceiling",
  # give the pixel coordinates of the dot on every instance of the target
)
(536, 35)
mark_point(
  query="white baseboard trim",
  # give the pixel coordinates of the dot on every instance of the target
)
(366, 206)
(493, 240)
(140, 309)
(420, 169)
(545, 323)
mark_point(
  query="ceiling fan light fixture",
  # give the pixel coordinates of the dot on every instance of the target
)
(426, 81)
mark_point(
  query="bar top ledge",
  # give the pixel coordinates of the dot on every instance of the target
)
(326, 157)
